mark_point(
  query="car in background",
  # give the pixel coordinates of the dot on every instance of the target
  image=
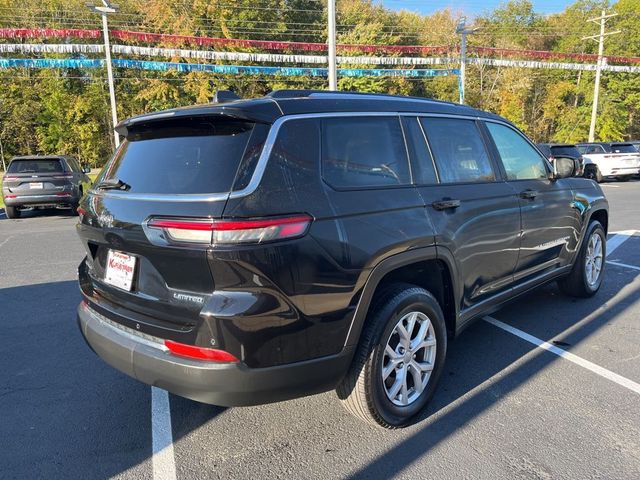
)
(54, 181)
(552, 150)
(618, 160)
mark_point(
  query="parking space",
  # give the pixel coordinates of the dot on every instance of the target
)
(505, 408)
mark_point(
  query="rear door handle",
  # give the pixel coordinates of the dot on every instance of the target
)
(530, 194)
(445, 204)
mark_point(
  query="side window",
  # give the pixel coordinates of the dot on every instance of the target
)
(458, 150)
(521, 161)
(425, 171)
(364, 152)
(73, 163)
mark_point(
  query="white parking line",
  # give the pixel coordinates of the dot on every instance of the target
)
(597, 369)
(164, 465)
(618, 239)
(633, 267)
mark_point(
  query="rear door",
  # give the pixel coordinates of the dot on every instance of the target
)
(177, 170)
(550, 217)
(475, 214)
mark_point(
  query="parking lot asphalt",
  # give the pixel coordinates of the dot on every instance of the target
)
(505, 408)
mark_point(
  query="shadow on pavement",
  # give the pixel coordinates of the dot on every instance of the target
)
(483, 352)
(64, 412)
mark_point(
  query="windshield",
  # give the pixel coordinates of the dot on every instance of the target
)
(186, 156)
(35, 166)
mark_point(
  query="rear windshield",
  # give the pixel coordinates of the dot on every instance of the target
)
(626, 148)
(567, 150)
(35, 166)
(181, 156)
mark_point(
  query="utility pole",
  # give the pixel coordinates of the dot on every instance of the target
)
(463, 32)
(105, 9)
(596, 89)
(331, 16)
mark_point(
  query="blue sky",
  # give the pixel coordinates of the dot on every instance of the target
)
(470, 7)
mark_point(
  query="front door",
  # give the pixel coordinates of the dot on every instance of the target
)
(550, 222)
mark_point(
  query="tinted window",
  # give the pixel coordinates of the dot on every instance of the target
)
(364, 152)
(458, 150)
(35, 166)
(425, 172)
(586, 149)
(521, 161)
(565, 150)
(73, 164)
(181, 156)
(625, 148)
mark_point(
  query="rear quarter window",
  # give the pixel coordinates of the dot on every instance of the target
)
(185, 156)
(364, 152)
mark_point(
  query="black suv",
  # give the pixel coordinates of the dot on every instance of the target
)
(43, 182)
(259, 250)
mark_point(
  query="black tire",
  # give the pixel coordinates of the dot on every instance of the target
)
(363, 391)
(12, 212)
(576, 284)
(598, 176)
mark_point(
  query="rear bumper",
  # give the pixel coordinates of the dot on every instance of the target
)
(35, 200)
(146, 359)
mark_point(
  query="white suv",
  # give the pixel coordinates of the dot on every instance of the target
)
(601, 160)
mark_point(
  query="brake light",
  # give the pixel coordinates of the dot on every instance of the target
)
(10, 196)
(232, 232)
(61, 194)
(10, 177)
(199, 353)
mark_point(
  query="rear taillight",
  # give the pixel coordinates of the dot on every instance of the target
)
(62, 194)
(10, 177)
(64, 177)
(10, 196)
(199, 353)
(231, 232)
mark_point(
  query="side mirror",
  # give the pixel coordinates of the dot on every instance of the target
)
(564, 167)
(86, 169)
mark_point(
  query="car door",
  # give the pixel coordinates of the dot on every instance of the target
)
(550, 217)
(475, 214)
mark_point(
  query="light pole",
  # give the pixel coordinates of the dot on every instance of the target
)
(105, 9)
(331, 17)
(463, 32)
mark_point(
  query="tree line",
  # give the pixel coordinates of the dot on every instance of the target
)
(67, 110)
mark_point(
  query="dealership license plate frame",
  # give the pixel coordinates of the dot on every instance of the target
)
(120, 277)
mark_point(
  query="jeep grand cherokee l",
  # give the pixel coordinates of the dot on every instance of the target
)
(259, 250)
(43, 182)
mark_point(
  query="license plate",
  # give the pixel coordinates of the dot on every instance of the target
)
(36, 185)
(120, 269)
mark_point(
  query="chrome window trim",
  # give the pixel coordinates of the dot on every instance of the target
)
(261, 165)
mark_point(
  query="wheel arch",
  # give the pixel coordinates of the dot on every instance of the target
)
(429, 268)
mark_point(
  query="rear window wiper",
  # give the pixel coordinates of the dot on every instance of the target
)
(113, 184)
